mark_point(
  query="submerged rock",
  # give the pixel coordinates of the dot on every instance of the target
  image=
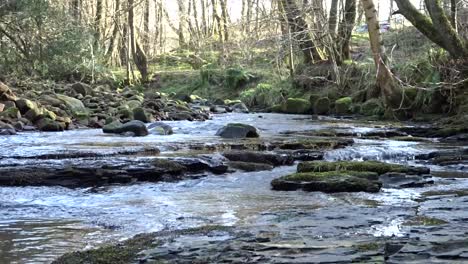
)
(259, 157)
(250, 166)
(236, 130)
(136, 127)
(160, 128)
(316, 143)
(329, 182)
(402, 180)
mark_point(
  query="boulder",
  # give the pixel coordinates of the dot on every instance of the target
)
(7, 132)
(24, 105)
(329, 182)
(11, 113)
(75, 106)
(322, 106)
(82, 88)
(5, 93)
(372, 107)
(296, 106)
(136, 127)
(178, 116)
(240, 108)
(218, 109)
(2, 106)
(141, 115)
(132, 104)
(343, 106)
(160, 128)
(236, 130)
(8, 104)
(37, 113)
(49, 125)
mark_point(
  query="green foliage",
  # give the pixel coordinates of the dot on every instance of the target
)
(237, 77)
(262, 96)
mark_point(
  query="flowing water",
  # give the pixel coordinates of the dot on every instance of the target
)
(37, 224)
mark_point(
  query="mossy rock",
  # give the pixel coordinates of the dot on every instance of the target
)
(329, 182)
(115, 254)
(12, 112)
(49, 125)
(359, 96)
(125, 112)
(313, 98)
(369, 166)
(343, 106)
(141, 115)
(322, 106)
(424, 221)
(75, 106)
(372, 107)
(276, 108)
(24, 105)
(132, 104)
(296, 106)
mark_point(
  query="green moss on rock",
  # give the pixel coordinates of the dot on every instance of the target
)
(343, 105)
(322, 106)
(371, 166)
(296, 106)
(424, 221)
(372, 107)
(329, 182)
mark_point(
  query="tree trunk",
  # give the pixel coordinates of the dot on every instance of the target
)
(300, 30)
(224, 15)
(115, 31)
(146, 31)
(216, 20)
(333, 19)
(97, 22)
(385, 85)
(182, 20)
(345, 30)
(454, 14)
(204, 19)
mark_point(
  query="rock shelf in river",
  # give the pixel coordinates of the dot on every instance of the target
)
(351, 176)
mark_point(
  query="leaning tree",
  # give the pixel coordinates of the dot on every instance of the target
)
(440, 26)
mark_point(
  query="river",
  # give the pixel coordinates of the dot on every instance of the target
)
(38, 224)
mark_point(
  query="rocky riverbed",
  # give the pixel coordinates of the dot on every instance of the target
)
(198, 197)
